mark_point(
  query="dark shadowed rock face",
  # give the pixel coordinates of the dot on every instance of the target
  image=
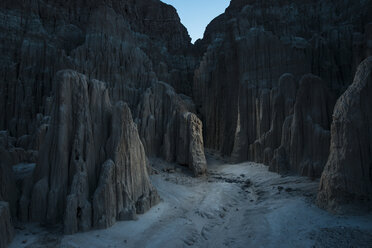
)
(246, 86)
(8, 189)
(6, 226)
(127, 44)
(169, 128)
(305, 135)
(91, 164)
(261, 86)
(347, 177)
(91, 148)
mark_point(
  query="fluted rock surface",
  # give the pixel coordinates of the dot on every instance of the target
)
(8, 189)
(87, 175)
(347, 177)
(305, 141)
(127, 44)
(169, 128)
(240, 86)
(6, 226)
(264, 80)
(84, 132)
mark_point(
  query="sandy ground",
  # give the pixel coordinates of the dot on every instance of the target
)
(240, 205)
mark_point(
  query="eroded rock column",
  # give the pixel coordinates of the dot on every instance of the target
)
(347, 177)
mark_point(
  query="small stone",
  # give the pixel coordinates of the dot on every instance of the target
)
(288, 190)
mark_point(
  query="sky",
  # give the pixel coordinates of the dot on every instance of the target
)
(197, 14)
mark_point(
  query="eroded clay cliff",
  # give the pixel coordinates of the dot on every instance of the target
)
(170, 129)
(261, 86)
(347, 177)
(91, 148)
(252, 87)
(6, 225)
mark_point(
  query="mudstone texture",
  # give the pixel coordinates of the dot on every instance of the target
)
(170, 128)
(72, 77)
(90, 89)
(6, 227)
(347, 177)
(270, 74)
(92, 150)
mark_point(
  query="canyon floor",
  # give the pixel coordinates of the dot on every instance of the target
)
(240, 205)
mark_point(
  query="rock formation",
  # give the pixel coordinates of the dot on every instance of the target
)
(305, 138)
(101, 40)
(259, 86)
(347, 177)
(169, 128)
(91, 148)
(8, 192)
(246, 85)
(8, 189)
(128, 45)
(6, 227)
(90, 163)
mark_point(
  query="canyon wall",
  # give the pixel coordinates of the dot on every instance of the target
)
(270, 75)
(170, 129)
(347, 177)
(89, 89)
(127, 44)
(73, 75)
(92, 162)
(6, 227)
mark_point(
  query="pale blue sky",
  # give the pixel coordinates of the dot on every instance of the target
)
(197, 14)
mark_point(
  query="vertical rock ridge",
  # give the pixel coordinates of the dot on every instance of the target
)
(169, 128)
(67, 175)
(347, 177)
(6, 227)
(251, 107)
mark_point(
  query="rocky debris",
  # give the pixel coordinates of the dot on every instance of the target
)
(169, 129)
(347, 177)
(169, 170)
(85, 131)
(243, 183)
(6, 226)
(341, 236)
